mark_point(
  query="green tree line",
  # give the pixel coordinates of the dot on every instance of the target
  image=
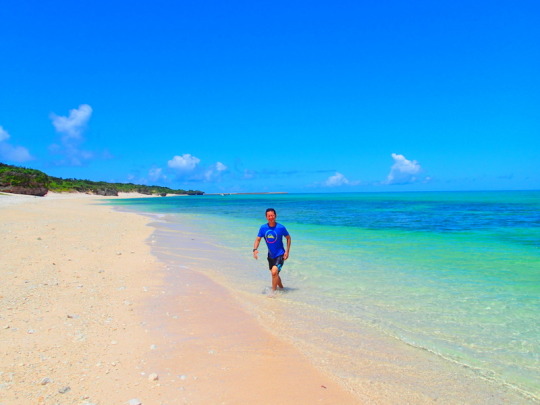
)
(20, 179)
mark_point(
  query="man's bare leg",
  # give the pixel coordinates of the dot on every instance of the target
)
(276, 280)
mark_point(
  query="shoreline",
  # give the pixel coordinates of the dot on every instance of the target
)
(379, 368)
(86, 316)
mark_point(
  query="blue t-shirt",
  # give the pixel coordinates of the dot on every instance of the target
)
(274, 239)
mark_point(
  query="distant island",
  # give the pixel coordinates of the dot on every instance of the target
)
(21, 180)
(255, 193)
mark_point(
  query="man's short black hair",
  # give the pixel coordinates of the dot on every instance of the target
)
(270, 209)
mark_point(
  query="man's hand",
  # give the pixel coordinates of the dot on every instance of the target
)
(286, 254)
(255, 247)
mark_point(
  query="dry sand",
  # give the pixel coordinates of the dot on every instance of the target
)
(86, 318)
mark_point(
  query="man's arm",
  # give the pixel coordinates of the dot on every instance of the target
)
(286, 255)
(255, 247)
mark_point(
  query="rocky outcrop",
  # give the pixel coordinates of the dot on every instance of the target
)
(19, 180)
(37, 191)
(106, 192)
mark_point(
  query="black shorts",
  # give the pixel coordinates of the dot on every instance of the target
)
(276, 261)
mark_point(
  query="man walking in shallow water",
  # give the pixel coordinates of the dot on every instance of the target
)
(273, 234)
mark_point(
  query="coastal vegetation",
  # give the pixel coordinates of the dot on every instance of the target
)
(21, 180)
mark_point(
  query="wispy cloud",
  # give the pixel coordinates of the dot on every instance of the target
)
(71, 129)
(214, 172)
(338, 180)
(249, 174)
(220, 167)
(4, 136)
(156, 174)
(187, 168)
(11, 153)
(403, 171)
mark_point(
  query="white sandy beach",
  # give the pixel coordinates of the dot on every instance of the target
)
(80, 309)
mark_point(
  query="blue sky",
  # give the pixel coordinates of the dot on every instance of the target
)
(297, 96)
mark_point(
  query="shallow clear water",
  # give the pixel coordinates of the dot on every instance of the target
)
(454, 273)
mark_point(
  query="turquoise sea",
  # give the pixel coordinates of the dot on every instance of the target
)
(453, 274)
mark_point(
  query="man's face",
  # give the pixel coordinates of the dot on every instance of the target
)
(271, 216)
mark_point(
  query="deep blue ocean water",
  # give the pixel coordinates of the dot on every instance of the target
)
(454, 273)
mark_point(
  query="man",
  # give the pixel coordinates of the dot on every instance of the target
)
(273, 234)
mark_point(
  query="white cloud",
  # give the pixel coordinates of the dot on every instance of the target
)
(403, 171)
(73, 155)
(214, 171)
(12, 153)
(156, 174)
(337, 180)
(72, 126)
(3, 134)
(186, 162)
